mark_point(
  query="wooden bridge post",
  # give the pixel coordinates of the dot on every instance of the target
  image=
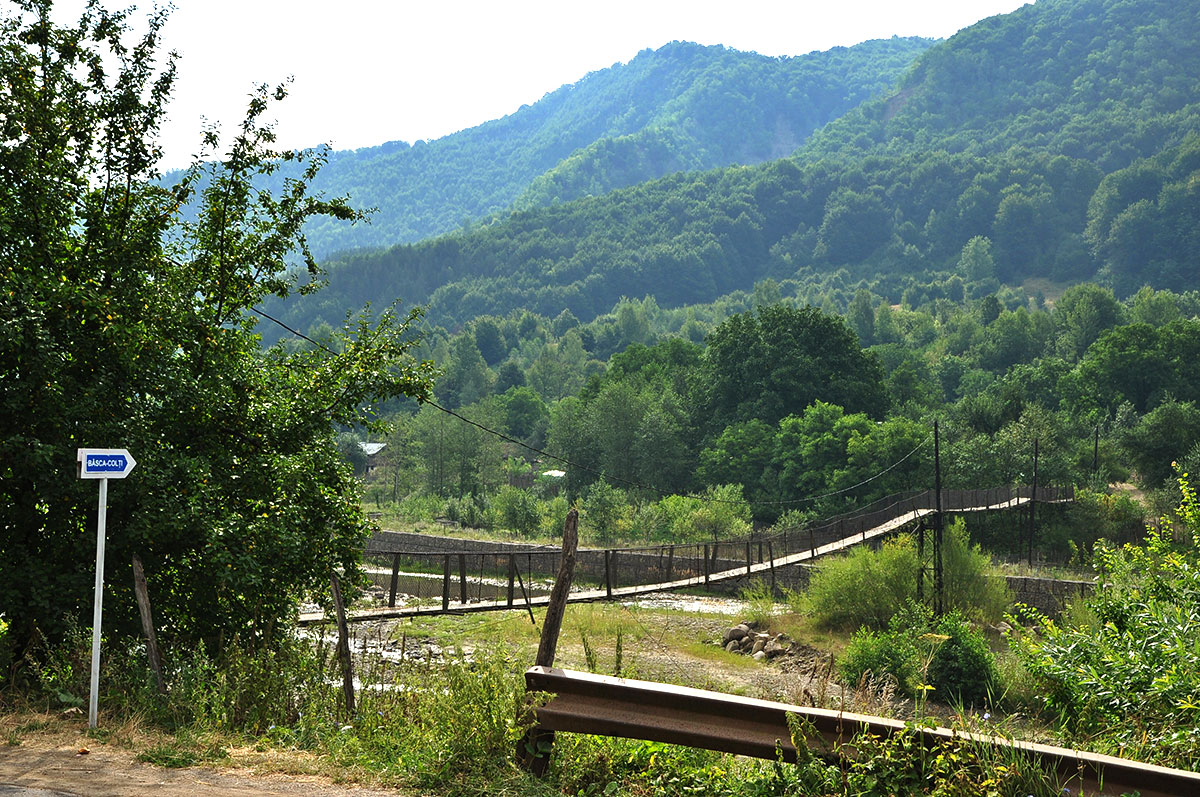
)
(747, 557)
(395, 581)
(706, 563)
(771, 559)
(462, 578)
(938, 525)
(512, 578)
(670, 561)
(608, 573)
(446, 582)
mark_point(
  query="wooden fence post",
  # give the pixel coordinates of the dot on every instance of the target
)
(143, 602)
(670, 561)
(608, 573)
(446, 582)
(343, 646)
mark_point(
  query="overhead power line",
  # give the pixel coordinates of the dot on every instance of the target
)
(607, 476)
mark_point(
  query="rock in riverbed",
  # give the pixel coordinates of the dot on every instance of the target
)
(744, 638)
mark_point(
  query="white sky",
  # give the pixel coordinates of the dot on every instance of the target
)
(370, 71)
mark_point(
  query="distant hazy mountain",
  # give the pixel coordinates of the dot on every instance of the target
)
(682, 106)
(1065, 133)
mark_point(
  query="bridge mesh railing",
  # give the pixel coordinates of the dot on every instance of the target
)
(510, 574)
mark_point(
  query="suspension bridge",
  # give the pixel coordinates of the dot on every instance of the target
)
(480, 577)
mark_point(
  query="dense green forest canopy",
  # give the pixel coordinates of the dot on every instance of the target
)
(681, 107)
(1056, 167)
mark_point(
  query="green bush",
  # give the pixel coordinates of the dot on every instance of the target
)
(5, 651)
(876, 654)
(469, 510)
(962, 668)
(1128, 672)
(867, 587)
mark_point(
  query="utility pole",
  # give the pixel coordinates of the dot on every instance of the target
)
(938, 584)
(1033, 501)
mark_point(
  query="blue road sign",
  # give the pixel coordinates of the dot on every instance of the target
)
(104, 463)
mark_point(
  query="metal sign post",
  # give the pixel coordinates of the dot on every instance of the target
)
(102, 464)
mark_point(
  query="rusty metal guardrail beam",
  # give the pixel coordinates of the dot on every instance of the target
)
(597, 704)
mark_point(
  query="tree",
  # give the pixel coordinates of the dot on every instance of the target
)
(976, 263)
(125, 324)
(861, 317)
(1082, 314)
(779, 360)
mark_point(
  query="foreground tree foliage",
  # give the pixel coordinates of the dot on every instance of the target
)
(122, 326)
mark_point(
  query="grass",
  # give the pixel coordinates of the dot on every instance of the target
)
(448, 727)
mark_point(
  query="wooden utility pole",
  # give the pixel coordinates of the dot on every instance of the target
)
(1033, 502)
(938, 526)
(143, 602)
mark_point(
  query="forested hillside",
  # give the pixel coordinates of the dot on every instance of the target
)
(683, 106)
(1051, 166)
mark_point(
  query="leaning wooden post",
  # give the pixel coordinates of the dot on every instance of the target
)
(143, 602)
(552, 624)
(533, 752)
(343, 646)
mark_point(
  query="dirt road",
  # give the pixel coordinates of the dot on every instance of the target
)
(53, 768)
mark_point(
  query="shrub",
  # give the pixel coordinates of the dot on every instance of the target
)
(1133, 672)
(470, 510)
(962, 668)
(760, 603)
(866, 587)
(876, 654)
(969, 586)
(5, 651)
